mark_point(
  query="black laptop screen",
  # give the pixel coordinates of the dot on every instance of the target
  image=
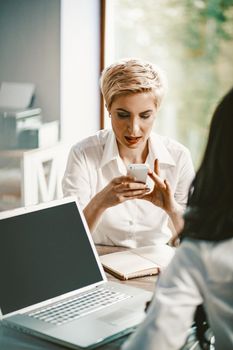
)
(44, 254)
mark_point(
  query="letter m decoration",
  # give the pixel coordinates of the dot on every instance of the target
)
(42, 171)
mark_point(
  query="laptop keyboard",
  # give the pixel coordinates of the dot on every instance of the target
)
(76, 307)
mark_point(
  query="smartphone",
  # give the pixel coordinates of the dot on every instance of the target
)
(139, 171)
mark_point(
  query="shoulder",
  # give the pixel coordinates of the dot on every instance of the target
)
(189, 254)
(173, 146)
(185, 268)
(93, 143)
(172, 149)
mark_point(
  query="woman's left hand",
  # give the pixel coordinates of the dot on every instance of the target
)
(161, 195)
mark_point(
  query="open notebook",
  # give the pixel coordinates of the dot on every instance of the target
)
(138, 262)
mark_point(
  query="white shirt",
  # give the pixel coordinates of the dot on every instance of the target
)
(95, 161)
(200, 272)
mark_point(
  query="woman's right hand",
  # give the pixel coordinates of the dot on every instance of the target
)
(119, 190)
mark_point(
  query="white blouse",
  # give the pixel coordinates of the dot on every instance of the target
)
(200, 272)
(95, 161)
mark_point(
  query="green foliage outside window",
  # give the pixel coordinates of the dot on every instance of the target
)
(192, 40)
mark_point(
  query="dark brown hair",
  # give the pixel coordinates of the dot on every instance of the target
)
(209, 214)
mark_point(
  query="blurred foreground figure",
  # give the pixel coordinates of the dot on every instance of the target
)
(202, 270)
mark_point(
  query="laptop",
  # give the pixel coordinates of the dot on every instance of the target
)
(52, 282)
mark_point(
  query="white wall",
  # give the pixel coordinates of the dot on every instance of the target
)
(80, 52)
(56, 45)
(30, 49)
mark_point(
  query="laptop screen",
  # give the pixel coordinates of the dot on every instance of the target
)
(44, 254)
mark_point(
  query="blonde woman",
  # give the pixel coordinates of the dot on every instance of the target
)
(119, 210)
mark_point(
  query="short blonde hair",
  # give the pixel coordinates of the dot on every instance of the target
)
(129, 76)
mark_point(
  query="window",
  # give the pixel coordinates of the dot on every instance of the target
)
(192, 41)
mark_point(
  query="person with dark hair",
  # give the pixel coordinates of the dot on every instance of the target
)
(201, 273)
